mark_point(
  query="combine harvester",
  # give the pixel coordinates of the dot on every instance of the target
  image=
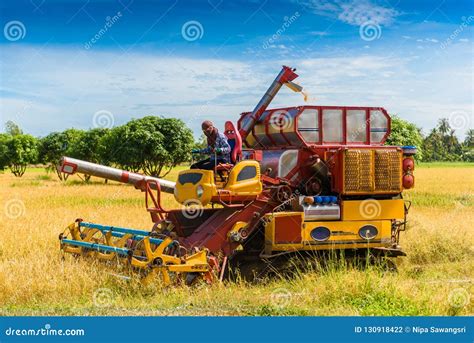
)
(310, 179)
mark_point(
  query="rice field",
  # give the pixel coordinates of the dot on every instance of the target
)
(436, 278)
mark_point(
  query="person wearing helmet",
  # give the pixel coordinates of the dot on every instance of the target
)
(217, 146)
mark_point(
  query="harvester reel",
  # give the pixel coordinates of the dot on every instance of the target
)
(138, 249)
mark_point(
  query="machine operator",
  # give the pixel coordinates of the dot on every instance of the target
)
(217, 146)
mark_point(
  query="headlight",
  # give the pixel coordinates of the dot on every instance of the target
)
(199, 191)
(320, 234)
(368, 232)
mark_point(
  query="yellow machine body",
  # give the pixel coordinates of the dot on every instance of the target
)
(241, 182)
(363, 224)
(195, 184)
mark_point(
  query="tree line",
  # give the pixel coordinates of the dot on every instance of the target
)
(154, 145)
(441, 143)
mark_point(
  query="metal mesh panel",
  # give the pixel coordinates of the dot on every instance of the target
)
(358, 171)
(387, 170)
(372, 171)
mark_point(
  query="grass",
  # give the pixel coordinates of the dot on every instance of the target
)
(436, 278)
(446, 165)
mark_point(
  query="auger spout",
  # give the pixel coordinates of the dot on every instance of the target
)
(286, 76)
(71, 166)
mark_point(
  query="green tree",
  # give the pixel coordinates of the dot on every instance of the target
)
(87, 146)
(442, 144)
(4, 158)
(119, 148)
(22, 151)
(12, 128)
(201, 143)
(177, 145)
(469, 140)
(468, 146)
(152, 144)
(405, 133)
(56, 145)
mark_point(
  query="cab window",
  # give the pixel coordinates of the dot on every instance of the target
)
(189, 178)
(247, 172)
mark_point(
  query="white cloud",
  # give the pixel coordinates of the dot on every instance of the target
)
(353, 12)
(60, 88)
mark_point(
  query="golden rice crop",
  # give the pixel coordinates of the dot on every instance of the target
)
(436, 278)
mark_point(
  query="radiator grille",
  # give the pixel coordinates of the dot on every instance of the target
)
(372, 171)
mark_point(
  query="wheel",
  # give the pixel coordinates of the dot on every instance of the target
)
(282, 193)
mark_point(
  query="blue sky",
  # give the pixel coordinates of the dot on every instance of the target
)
(82, 63)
